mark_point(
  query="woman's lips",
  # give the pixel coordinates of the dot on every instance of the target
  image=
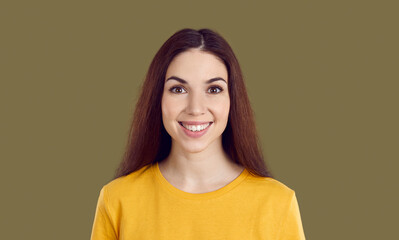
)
(196, 134)
(194, 123)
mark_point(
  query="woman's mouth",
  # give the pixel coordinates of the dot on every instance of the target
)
(195, 127)
(195, 130)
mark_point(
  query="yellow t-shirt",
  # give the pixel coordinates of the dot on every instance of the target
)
(144, 205)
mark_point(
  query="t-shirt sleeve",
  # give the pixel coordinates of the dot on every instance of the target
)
(292, 228)
(103, 229)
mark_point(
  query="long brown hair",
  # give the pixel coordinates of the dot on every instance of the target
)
(148, 142)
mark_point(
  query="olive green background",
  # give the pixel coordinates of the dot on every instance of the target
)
(322, 77)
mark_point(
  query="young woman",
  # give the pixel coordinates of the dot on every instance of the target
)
(193, 168)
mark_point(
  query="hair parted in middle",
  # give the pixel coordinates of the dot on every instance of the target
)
(148, 141)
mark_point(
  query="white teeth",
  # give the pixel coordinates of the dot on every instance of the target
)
(195, 128)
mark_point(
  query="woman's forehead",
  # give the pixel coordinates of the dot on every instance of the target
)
(195, 65)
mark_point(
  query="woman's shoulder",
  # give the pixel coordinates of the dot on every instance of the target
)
(140, 177)
(269, 185)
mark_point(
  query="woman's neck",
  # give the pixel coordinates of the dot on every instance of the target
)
(211, 166)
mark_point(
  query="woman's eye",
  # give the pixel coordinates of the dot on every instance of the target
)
(215, 90)
(177, 90)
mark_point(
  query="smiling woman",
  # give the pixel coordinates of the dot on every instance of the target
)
(201, 103)
(193, 167)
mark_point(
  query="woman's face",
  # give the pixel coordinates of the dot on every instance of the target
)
(195, 101)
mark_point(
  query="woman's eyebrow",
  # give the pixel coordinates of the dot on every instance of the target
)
(185, 82)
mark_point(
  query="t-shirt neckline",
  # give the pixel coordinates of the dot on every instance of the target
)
(199, 196)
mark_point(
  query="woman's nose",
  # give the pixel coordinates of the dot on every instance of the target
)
(196, 104)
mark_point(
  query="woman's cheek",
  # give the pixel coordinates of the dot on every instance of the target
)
(222, 105)
(170, 106)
